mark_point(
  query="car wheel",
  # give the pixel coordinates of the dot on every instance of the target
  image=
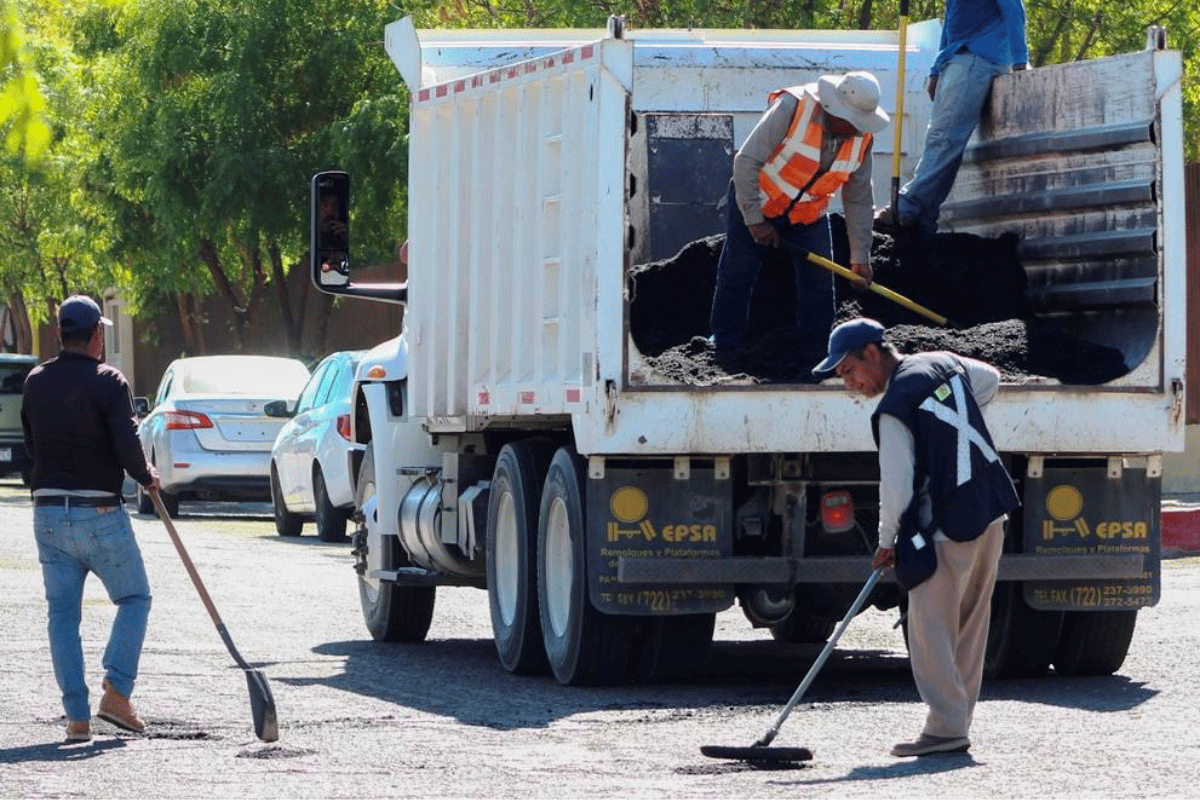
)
(286, 523)
(145, 505)
(170, 503)
(331, 520)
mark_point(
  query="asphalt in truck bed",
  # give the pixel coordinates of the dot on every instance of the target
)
(976, 282)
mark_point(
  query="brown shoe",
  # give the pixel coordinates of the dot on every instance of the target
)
(116, 708)
(79, 731)
(927, 744)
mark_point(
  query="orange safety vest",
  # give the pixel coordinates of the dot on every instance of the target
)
(787, 177)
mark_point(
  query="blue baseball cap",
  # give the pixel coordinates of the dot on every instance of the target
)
(80, 314)
(850, 335)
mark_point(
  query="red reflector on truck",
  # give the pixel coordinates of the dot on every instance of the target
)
(837, 512)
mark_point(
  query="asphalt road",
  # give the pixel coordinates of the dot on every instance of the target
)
(443, 719)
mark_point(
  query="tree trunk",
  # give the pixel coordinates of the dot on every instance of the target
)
(290, 323)
(18, 312)
(185, 324)
(238, 307)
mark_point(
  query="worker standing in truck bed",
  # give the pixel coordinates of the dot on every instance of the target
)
(812, 141)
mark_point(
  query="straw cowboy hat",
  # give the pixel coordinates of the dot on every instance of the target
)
(853, 97)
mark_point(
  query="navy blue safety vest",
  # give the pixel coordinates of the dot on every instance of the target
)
(968, 485)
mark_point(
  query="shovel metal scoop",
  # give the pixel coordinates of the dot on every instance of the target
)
(262, 704)
(761, 754)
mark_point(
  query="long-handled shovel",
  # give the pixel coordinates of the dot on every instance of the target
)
(262, 704)
(854, 277)
(898, 117)
(761, 753)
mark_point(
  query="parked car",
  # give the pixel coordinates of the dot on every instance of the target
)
(311, 461)
(207, 433)
(13, 458)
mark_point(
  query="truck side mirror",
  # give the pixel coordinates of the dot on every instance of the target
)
(330, 236)
(141, 406)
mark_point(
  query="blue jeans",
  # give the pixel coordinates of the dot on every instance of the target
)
(962, 89)
(71, 543)
(738, 268)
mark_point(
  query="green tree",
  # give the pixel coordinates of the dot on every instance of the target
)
(227, 108)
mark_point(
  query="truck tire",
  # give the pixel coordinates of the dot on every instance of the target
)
(674, 648)
(512, 532)
(583, 646)
(393, 613)
(1021, 640)
(799, 628)
(330, 520)
(286, 523)
(1094, 642)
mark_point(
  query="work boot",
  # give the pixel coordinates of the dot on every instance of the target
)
(116, 708)
(79, 731)
(927, 744)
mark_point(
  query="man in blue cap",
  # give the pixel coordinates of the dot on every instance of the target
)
(944, 496)
(81, 432)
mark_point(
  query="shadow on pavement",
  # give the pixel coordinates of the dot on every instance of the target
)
(59, 751)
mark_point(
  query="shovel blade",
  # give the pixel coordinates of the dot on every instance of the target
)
(262, 705)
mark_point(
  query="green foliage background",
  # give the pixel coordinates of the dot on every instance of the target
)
(165, 146)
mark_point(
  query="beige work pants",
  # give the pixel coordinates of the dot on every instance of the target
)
(948, 619)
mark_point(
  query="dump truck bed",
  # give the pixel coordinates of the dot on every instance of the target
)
(544, 166)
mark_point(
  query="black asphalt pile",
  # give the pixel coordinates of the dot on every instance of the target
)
(977, 283)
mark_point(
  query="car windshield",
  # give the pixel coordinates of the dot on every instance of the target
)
(258, 376)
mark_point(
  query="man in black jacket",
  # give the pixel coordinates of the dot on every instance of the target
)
(81, 433)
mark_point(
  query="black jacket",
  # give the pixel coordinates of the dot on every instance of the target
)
(80, 427)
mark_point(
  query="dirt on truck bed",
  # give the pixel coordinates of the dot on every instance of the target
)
(977, 283)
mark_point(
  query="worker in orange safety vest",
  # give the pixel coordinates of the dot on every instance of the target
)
(812, 141)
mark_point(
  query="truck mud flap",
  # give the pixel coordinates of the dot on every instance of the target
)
(1094, 511)
(657, 513)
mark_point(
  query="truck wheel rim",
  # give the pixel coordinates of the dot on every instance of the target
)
(507, 558)
(558, 567)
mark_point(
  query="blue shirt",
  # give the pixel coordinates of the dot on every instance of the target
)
(991, 29)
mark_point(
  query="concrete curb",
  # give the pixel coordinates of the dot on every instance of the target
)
(1181, 529)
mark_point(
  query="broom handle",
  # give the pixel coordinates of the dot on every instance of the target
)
(820, 662)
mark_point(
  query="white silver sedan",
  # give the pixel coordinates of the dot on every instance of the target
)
(311, 460)
(206, 431)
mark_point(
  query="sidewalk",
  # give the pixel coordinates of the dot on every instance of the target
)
(1181, 523)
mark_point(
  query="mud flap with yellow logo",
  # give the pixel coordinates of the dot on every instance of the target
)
(1086, 511)
(650, 513)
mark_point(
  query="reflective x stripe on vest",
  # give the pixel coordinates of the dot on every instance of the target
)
(790, 169)
(967, 434)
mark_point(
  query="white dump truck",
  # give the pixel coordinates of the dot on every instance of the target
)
(516, 441)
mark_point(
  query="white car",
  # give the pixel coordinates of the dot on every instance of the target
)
(207, 432)
(311, 460)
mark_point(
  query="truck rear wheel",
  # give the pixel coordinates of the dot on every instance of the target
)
(675, 647)
(512, 525)
(583, 645)
(393, 613)
(1094, 642)
(1021, 640)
